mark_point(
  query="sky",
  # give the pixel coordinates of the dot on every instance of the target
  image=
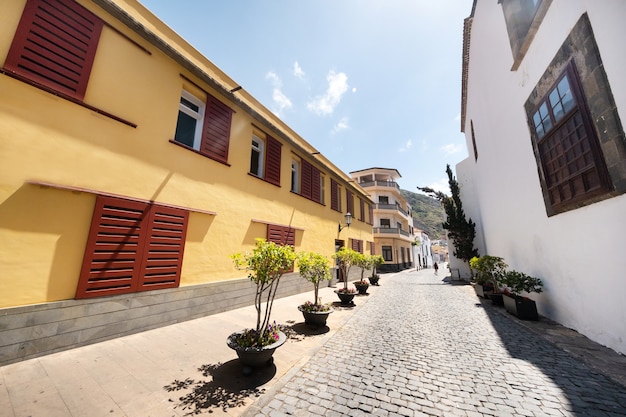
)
(369, 83)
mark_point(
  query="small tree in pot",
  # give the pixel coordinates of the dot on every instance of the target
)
(517, 283)
(490, 272)
(346, 258)
(314, 268)
(363, 262)
(375, 262)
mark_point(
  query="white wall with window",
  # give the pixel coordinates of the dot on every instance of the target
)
(546, 122)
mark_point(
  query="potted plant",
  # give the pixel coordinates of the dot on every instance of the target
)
(362, 261)
(521, 306)
(376, 261)
(346, 258)
(266, 264)
(314, 268)
(490, 273)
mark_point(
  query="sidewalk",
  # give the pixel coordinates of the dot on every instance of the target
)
(145, 374)
(187, 368)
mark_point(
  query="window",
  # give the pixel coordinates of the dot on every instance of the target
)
(265, 158)
(361, 210)
(204, 126)
(372, 248)
(55, 45)
(387, 253)
(570, 157)
(132, 246)
(383, 199)
(257, 156)
(385, 223)
(523, 18)
(350, 202)
(281, 235)
(311, 182)
(295, 176)
(335, 195)
(357, 245)
(371, 211)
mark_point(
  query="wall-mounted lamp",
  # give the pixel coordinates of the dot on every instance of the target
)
(348, 217)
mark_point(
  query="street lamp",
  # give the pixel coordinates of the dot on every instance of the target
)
(348, 217)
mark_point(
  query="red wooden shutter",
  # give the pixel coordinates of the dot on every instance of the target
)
(350, 202)
(306, 179)
(334, 195)
(55, 44)
(216, 129)
(164, 247)
(372, 248)
(281, 235)
(132, 246)
(272, 161)
(112, 260)
(371, 211)
(357, 245)
(316, 186)
(361, 210)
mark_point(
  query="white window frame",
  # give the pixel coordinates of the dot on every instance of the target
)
(199, 116)
(295, 176)
(260, 149)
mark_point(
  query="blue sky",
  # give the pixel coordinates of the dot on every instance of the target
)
(370, 83)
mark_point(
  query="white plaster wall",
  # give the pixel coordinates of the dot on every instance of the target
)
(580, 254)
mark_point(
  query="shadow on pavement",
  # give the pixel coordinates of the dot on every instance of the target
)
(299, 331)
(588, 392)
(227, 388)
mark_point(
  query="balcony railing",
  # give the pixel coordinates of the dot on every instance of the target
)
(391, 207)
(391, 231)
(380, 184)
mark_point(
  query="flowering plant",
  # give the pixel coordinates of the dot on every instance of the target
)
(318, 307)
(347, 290)
(251, 338)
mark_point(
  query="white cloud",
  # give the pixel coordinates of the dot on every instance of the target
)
(441, 185)
(406, 146)
(297, 70)
(326, 103)
(281, 101)
(341, 125)
(458, 117)
(451, 148)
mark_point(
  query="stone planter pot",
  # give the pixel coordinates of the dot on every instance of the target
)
(346, 298)
(481, 290)
(315, 318)
(361, 288)
(496, 299)
(254, 357)
(374, 280)
(522, 307)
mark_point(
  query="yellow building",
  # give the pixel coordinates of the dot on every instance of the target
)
(132, 167)
(392, 218)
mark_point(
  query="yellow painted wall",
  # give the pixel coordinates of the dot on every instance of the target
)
(43, 230)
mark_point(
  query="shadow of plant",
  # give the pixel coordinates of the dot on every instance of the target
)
(228, 387)
(299, 331)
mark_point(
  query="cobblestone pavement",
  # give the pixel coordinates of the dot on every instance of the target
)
(423, 347)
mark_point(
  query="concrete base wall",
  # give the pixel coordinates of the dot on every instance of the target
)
(36, 330)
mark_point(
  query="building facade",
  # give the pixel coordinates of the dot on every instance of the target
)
(132, 168)
(542, 103)
(392, 218)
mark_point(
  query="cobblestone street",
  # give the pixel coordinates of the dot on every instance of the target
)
(424, 347)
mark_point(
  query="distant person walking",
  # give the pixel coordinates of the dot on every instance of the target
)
(436, 267)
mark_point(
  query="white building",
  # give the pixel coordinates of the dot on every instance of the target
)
(543, 97)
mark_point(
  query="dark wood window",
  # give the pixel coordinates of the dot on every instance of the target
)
(572, 164)
(361, 210)
(273, 160)
(350, 202)
(372, 248)
(357, 245)
(335, 195)
(383, 199)
(55, 45)
(310, 183)
(281, 235)
(371, 211)
(132, 246)
(385, 223)
(387, 253)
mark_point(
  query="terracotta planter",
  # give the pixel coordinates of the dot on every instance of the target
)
(315, 318)
(522, 307)
(254, 357)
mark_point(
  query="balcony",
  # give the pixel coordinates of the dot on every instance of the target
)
(391, 231)
(395, 207)
(380, 184)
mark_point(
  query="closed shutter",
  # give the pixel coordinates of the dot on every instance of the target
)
(216, 129)
(316, 186)
(350, 202)
(361, 210)
(272, 161)
(371, 210)
(357, 245)
(334, 195)
(132, 246)
(163, 251)
(306, 179)
(55, 44)
(281, 235)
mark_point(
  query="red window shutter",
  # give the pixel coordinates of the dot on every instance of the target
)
(216, 130)
(361, 210)
(334, 195)
(306, 179)
(371, 210)
(112, 260)
(132, 246)
(272, 161)
(281, 235)
(55, 44)
(316, 186)
(372, 248)
(357, 245)
(350, 202)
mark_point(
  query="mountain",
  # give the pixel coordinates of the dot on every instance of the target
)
(428, 212)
